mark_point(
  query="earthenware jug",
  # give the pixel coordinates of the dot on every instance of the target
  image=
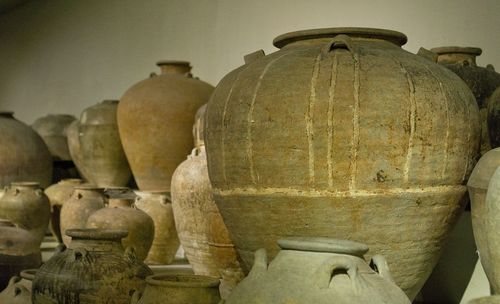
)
(23, 154)
(25, 204)
(179, 289)
(481, 80)
(318, 270)
(52, 128)
(94, 269)
(155, 119)
(84, 201)
(58, 194)
(342, 133)
(158, 205)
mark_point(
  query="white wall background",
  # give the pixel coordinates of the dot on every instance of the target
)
(60, 56)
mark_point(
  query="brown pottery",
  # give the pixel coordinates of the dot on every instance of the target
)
(58, 194)
(155, 119)
(179, 289)
(74, 148)
(23, 154)
(84, 201)
(494, 118)
(25, 204)
(158, 206)
(52, 128)
(93, 270)
(342, 133)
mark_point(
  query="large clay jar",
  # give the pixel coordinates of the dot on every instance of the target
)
(25, 204)
(140, 225)
(19, 250)
(179, 289)
(155, 119)
(19, 289)
(100, 148)
(23, 154)
(58, 194)
(494, 118)
(199, 126)
(52, 128)
(84, 201)
(165, 241)
(342, 133)
(482, 81)
(94, 269)
(484, 191)
(73, 133)
(318, 270)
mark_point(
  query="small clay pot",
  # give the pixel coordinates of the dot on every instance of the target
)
(58, 194)
(25, 204)
(179, 289)
(52, 128)
(84, 201)
(165, 242)
(140, 225)
(94, 269)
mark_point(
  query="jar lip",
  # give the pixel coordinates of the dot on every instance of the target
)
(183, 280)
(28, 274)
(323, 244)
(173, 62)
(97, 234)
(395, 37)
(25, 184)
(457, 50)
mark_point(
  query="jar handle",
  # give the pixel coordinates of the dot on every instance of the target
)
(259, 262)
(379, 264)
(80, 254)
(332, 266)
(342, 42)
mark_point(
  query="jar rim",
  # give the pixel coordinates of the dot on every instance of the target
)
(457, 50)
(182, 280)
(323, 244)
(97, 234)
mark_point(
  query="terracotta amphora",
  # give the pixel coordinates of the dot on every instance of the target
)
(19, 250)
(158, 205)
(342, 133)
(23, 154)
(481, 80)
(317, 270)
(52, 128)
(58, 194)
(84, 201)
(118, 215)
(155, 119)
(100, 150)
(484, 191)
(179, 289)
(25, 204)
(94, 269)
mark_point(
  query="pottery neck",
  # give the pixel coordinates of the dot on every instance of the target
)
(119, 202)
(457, 55)
(154, 196)
(96, 239)
(88, 192)
(174, 67)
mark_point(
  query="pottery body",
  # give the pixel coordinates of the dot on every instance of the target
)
(484, 192)
(94, 269)
(482, 82)
(494, 118)
(140, 225)
(317, 270)
(52, 129)
(25, 204)
(486, 300)
(19, 250)
(179, 289)
(73, 133)
(155, 119)
(101, 154)
(23, 154)
(165, 241)
(84, 201)
(352, 133)
(19, 289)
(58, 194)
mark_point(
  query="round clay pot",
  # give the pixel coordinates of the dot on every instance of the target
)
(84, 201)
(101, 153)
(19, 250)
(484, 191)
(155, 119)
(335, 269)
(23, 154)
(58, 194)
(179, 289)
(494, 118)
(140, 225)
(342, 133)
(165, 242)
(94, 269)
(199, 126)
(25, 204)
(73, 135)
(482, 81)
(486, 300)
(52, 129)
